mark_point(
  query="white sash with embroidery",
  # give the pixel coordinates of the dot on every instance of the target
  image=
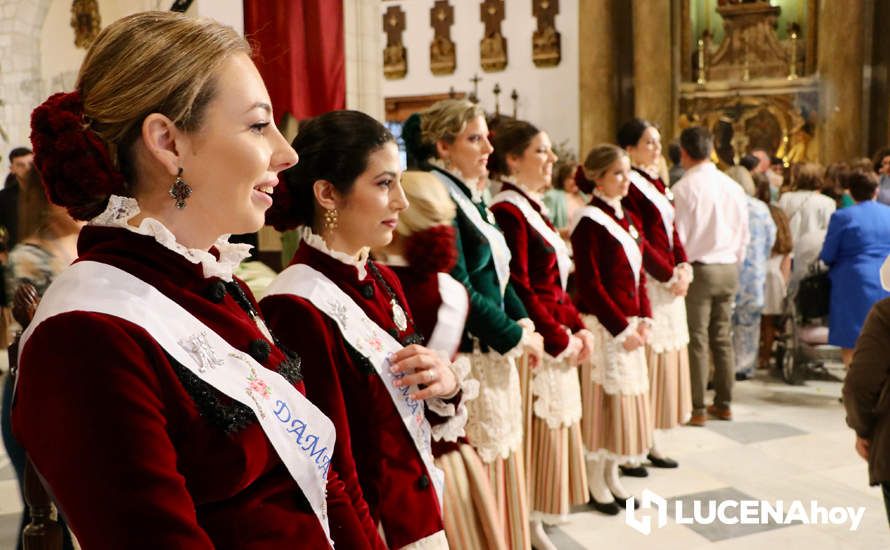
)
(628, 243)
(536, 220)
(370, 340)
(661, 202)
(451, 317)
(496, 241)
(301, 434)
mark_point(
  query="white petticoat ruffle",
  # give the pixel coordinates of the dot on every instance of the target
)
(618, 371)
(455, 427)
(121, 210)
(494, 426)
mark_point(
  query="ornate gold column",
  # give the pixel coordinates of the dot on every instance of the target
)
(841, 55)
(598, 89)
(653, 90)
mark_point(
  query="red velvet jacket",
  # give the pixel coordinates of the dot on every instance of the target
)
(534, 275)
(370, 432)
(603, 275)
(138, 452)
(660, 258)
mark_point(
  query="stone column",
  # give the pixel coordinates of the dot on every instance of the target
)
(598, 88)
(653, 97)
(363, 37)
(840, 63)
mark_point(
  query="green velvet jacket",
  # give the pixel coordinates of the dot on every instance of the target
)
(492, 317)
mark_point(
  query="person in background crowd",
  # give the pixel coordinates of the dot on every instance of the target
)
(881, 163)
(564, 199)
(764, 165)
(835, 185)
(609, 251)
(668, 275)
(676, 169)
(778, 272)
(49, 246)
(856, 245)
(750, 163)
(865, 396)
(20, 161)
(749, 300)
(808, 212)
(712, 222)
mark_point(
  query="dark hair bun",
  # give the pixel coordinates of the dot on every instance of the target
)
(77, 170)
(417, 151)
(584, 184)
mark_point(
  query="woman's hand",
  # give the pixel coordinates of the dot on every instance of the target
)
(426, 368)
(644, 331)
(587, 341)
(862, 446)
(633, 341)
(535, 349)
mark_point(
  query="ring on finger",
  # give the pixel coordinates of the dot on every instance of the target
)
(430, 376)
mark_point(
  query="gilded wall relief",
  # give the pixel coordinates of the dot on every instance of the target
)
(546, 44)
(493, 47)
(395, 56)
(442, 57)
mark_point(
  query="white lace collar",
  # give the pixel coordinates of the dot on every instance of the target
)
(529, 194)
(317, 242)
(614, 202)
(475, 193)
(121, 210)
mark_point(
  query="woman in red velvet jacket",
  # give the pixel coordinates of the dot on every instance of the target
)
(539, 269)
(422, 253)
(668, 278)
(612, 298)
(349, 319)
(150, 396)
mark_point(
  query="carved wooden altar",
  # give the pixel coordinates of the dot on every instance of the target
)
(748, 90)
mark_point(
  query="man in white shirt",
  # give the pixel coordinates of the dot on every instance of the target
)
(712, 222)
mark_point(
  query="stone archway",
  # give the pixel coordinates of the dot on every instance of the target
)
(21, 22)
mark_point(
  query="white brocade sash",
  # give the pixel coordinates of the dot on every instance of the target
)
(451, 317)
(661, 202)
(370, 340)
(300, 433)
(628, 243)
(496, 241)
(534, 218)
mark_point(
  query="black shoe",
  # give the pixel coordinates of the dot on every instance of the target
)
(634, 471)
(662, 462)
(742, 376)
(623, 502)
(608, 508)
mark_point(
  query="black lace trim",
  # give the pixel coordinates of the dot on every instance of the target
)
(229, 415)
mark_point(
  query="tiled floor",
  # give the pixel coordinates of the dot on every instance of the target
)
(785, 443)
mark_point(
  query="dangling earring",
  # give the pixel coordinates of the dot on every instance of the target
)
(331, 218)
(180, 190)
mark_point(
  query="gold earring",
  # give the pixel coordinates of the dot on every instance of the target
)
(180, 190)
(331, 218)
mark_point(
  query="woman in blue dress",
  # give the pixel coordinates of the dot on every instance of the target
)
(856, 245)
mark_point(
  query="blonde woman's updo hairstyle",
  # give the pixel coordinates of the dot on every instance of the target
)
(429, 203)
(426, 224)
(150, 62)
(595, 165)
(444, 121)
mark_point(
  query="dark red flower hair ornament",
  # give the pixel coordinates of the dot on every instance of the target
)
(432, 250)
(75, 164)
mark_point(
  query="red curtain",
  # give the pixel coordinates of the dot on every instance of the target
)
(298, 49)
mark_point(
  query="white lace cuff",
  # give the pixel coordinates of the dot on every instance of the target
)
(680, 270)
(647, 321)
(528, 328)
(454, 427)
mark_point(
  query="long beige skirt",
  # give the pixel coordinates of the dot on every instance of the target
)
(615, 426)
(470, 508)
(507, 478)
(557, 476)
(670, 392)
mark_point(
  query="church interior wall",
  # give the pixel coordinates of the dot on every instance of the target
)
(548, 97)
